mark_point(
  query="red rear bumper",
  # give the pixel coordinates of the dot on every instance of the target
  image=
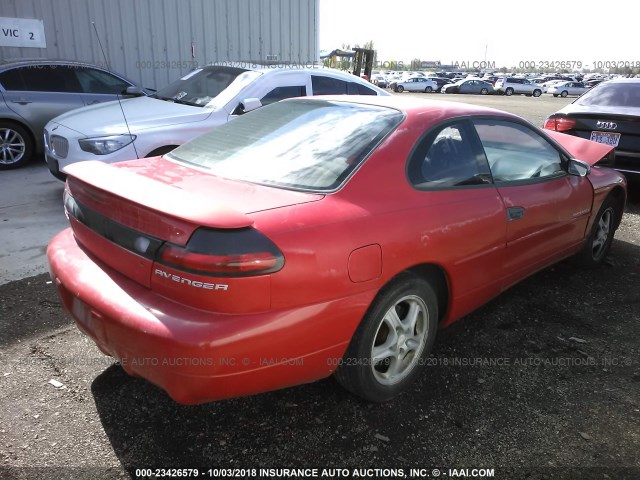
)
(194, 355)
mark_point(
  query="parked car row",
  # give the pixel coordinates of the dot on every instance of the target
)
(563, 85)
(148, 123)
(89, 125)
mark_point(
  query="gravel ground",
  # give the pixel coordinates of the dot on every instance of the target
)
(543, 382)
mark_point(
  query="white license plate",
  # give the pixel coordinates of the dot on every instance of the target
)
(608, 138)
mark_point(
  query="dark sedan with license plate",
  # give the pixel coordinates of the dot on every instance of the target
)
(609, 113)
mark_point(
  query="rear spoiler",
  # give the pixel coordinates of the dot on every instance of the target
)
(581, 148)
(156, 196)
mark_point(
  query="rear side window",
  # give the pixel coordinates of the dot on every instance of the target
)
(608, 94)
(280, 93)
(11, 80)
(357, 89)
(328, 86)
(517, 153)
(448, 157)
(50, 78)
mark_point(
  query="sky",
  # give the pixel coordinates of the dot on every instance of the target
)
(507, 32)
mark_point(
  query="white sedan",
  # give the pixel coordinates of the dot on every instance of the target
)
(416, 84)
(204, 98)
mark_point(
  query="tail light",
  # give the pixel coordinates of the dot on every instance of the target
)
(224, 253)
(559, 124)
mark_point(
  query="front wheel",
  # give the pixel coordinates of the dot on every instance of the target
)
(388, 349)
(598, 242)
(484, 91)
(564, 94)
(400, 89)
(537, 93)
(508, 92)
(16, 146)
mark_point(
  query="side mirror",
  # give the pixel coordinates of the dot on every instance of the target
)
(134, 91)
(249, 104)
(579, 168)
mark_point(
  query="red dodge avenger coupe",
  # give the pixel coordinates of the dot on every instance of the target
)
(321, 235)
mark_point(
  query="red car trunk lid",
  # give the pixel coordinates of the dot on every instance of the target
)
(123, 213)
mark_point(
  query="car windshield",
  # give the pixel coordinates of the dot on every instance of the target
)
(200, 86)
(614, 94)
(299, 144)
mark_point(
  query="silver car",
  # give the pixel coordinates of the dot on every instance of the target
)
(34, 92)
(567, 88)
(416, 84)
(472, 85)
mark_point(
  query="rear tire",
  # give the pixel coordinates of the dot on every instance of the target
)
(387, 351)
(400, 89)
(16, 146)
(428, 90)
(598, 243)
(484, 91)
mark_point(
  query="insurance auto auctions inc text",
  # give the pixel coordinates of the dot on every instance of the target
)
(374, 473)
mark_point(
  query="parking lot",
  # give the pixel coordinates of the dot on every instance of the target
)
(543, 382)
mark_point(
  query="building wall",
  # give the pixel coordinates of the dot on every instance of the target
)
(154, 42)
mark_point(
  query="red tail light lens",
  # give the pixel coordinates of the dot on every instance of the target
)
(239, 252)
(182, 258)
(559, 124)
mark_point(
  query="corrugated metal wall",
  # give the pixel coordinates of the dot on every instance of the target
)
(151, 41)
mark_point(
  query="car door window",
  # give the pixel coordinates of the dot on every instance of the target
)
(97, 81)
(517, 153)
(50, 78)
(328, 86)
(11, 80)
(280, 93)
(448, 157)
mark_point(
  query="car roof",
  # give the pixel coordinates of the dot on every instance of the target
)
(412, 106)
(5, 65)
(276, 69)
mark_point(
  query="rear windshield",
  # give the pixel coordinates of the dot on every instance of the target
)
(200, 86)
(610, 94)
(299, 144)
